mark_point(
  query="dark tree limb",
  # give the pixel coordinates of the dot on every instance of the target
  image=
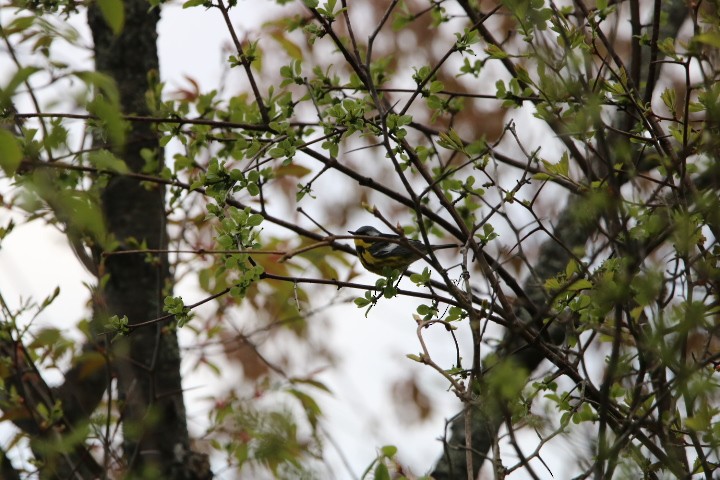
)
(147, 362)
(29, 411)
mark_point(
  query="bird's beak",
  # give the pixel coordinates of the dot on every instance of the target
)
(350, 231)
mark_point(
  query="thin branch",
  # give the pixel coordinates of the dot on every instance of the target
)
(245, 61)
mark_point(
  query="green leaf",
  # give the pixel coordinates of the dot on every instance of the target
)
(451, 141)
(381, 472)
(193, 3)
(436, 86)
(668, 98)
(571, 268)
(388, 451)
(255, 219)
(291, 170)
(552, 284)
(311, 407)
(106, 105)
(46, 337)
(309, 381)
(506, 379)
(10, 153)
(276, 152)
(118, 325)
(18, 79)
(581, 284)
(584, 414)
(708, 38)
(51, 298)
(253, 189)
(362, 302)
(421, 278)
(113, 12)
(290, 47)
(105, 160)
(496, 52)
(562, 168)
(19, 24)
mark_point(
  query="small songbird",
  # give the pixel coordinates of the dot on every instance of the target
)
(387, 250)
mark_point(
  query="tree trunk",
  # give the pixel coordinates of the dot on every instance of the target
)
(147, 361)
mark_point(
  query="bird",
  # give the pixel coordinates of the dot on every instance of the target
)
(388, 250)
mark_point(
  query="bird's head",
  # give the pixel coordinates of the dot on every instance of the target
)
(366, 231)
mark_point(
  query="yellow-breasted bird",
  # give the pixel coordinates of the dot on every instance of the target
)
(385, 250)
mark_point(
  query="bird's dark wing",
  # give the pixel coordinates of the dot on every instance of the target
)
(381, 249)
